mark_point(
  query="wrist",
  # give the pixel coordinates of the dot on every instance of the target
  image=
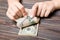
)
(12, 1)
(57, 4)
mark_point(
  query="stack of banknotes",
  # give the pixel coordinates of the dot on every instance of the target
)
(28, 25)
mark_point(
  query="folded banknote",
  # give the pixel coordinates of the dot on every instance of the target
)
(28, 25)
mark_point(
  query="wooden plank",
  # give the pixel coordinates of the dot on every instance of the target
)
(49, 27)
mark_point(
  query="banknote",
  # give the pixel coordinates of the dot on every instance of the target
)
(28, 25)
(27, 21)
(29, 31)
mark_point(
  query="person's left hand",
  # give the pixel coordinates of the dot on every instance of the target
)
(43, 9)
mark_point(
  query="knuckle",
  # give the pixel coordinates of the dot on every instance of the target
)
(16, 12)
(12, 18)
(13, 15)
(36, 3)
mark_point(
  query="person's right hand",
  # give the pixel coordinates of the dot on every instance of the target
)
(15, 10)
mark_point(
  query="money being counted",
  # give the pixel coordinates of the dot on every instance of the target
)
(28, 25)
(27, 21)
(29, 31)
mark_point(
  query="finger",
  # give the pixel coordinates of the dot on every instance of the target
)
(14, 15)
(39, 9)
(47, 12)
(17, 12)
(43, 10)
(10, 10)
(21, 9)
(8, 14)
(34, 9)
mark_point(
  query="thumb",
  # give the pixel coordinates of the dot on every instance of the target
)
(34, 9)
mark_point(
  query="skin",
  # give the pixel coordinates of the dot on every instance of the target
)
(15, 9)
(42, 9)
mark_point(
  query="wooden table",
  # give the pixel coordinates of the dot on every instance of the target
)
(49, 27)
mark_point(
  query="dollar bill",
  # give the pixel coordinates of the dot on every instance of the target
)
(28, 25)
(29, 31)
(27, 21)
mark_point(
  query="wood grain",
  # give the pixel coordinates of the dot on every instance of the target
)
(49, 27)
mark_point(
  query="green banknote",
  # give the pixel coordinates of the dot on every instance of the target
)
(29, 31)
(28, 25)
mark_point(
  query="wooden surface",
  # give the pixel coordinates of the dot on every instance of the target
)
(49, 27)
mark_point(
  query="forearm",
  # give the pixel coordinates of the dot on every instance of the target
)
(57, 3)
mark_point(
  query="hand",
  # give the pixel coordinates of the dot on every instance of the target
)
(15, 10)
(43, 9)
